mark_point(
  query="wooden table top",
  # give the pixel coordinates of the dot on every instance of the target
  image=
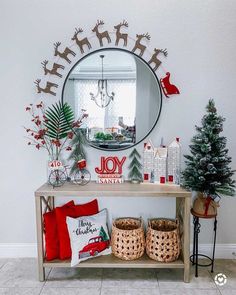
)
(125, 189)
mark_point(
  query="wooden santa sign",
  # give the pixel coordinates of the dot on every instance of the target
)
(110, 170)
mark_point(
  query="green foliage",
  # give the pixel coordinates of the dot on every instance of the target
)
(207, 167)
(58, 120)
(78, 152)
(135, 166)
(103, 136)
(103, 234)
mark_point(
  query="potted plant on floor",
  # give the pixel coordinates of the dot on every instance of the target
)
(207, 167)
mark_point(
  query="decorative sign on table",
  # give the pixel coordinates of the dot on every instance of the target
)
(110, 170)
(55, 164)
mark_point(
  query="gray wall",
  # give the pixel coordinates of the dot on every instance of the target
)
(200, 37)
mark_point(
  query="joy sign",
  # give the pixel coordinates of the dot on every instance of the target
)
(110, 170)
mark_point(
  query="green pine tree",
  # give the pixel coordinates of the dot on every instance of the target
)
(135, 166)
(78, 152)
(207, 167)
(103, 234)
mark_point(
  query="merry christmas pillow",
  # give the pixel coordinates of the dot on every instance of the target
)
(88, 236)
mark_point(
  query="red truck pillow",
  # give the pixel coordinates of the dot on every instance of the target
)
(89, 236)
(51, 235)
(76, 211)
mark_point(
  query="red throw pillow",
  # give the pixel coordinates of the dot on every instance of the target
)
(63, 234)
(51, 235)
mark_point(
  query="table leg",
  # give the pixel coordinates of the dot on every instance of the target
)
(214, 245)
(186, 251)
(39, 223)
(194, 240)
(197, 230)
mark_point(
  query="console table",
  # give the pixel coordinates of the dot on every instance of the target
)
(44, 200)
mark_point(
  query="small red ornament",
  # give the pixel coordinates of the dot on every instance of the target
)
(167, 87)
(170, 178)
(162, 179)
(81, 164)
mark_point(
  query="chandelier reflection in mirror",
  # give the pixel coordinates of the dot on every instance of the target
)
(102, 98)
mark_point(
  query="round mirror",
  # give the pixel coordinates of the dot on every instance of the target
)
(120, 94)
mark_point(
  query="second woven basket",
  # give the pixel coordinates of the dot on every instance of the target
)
(163, 240)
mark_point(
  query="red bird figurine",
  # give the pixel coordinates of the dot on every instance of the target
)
(167, 87)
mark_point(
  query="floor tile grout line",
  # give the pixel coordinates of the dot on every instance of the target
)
(3, 264)
(44, 283)
(42, 288)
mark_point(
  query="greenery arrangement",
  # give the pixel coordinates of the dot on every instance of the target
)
(51, 127)
(135, 174)
(78, 143)
(207, 167)
(103, 136)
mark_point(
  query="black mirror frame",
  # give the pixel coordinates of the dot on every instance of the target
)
(154, 74)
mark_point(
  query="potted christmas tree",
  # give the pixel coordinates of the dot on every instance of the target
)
(207, 167)
(135, 174)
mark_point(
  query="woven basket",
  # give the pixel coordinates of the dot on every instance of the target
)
(163, 240)
(127, 238)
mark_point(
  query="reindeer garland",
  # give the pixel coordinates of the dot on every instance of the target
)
(67, 54)
(82, 42)
(67, 51)
(154, 58)
(120, 35)
(102, 35)
(54, 70)
(138, 44)
(47, 88)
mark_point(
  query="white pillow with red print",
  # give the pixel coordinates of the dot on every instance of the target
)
(89, 236)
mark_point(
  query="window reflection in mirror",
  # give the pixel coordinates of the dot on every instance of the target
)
(136, 99)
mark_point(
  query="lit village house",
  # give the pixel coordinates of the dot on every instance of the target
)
(162, 164)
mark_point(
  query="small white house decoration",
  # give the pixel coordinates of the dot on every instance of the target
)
(174, 155)
(162, 164)
(148, 156)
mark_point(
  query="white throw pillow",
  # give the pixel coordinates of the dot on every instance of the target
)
(88, 236)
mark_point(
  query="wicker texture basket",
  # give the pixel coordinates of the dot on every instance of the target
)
(163, 240)
(127, 238)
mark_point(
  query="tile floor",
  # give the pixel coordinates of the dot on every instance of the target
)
(19, 277)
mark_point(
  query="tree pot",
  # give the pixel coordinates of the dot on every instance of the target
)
(205, 206)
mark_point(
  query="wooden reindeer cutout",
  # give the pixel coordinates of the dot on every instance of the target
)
(154, 58)
(102, 35)
(63, 54)
(54, 70)
(47, 89)
(120, 35)
(140, 46)
(81, 42)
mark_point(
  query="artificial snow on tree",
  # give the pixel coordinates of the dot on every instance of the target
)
(135, 174)
(207, 167)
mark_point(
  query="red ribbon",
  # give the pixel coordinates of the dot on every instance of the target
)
(207, 204)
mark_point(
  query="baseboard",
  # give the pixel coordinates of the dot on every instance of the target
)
(224, 251)
(19, 250)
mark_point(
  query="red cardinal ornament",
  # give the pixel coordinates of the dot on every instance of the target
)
(167, 87)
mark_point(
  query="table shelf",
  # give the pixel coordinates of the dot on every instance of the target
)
(110, 261)
(45, 198)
